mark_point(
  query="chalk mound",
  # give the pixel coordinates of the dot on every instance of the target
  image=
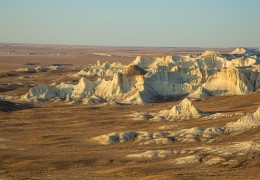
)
(246, 122)
(184, 110)
(245, 51)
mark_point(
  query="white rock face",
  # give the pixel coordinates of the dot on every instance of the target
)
(125, 89)
(84, 88)
(184, 110)
(229, 82)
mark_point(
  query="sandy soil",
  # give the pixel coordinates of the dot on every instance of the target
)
(53, 140)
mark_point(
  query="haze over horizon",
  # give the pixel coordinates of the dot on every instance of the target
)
(154, 23)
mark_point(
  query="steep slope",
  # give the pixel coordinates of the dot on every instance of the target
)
(126, 89)
(229, 82)
(84, 88)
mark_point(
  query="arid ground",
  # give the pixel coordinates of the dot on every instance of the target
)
(54, 140)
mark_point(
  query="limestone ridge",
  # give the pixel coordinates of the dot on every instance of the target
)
(147, 78)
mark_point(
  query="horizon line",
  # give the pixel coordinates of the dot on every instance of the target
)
(125, 46)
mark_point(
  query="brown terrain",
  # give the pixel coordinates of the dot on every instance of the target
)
(54, 140)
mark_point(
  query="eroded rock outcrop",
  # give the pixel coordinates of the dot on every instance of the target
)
(149, 79)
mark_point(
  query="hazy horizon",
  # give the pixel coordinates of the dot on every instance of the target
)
(154, 23)
(122, 46)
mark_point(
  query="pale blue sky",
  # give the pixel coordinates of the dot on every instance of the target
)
(170, 23)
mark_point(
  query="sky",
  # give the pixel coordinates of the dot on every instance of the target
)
(156, 23)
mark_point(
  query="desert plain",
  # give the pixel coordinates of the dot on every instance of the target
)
(53, 132)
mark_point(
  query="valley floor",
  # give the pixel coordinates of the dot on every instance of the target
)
(54, 141)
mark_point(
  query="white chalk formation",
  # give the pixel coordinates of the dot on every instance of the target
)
(197, 76)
